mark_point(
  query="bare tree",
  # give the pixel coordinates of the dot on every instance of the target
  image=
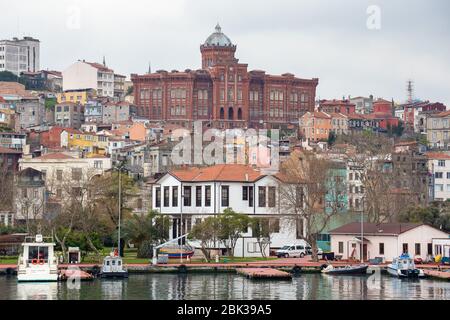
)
(370, 161)
(311, 194)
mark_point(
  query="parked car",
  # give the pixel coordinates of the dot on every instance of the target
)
(292, 251)
(309, 250)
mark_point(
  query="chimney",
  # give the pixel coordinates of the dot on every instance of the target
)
(246, 177)
(26, 152)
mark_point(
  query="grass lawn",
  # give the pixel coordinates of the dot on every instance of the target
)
(131, 253)
(8, 261)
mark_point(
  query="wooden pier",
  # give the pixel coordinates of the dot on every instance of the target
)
(264, 273)
(437, 274)
(65, 274)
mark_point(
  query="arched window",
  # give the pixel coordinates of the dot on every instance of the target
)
(230, 113)
(239, 114)
(222, 113)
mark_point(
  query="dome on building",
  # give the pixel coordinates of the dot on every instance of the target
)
(218, 38)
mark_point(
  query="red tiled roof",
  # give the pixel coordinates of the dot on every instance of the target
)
(354, 228)
(55, 156)
(99, 66)
(338, 115)
(406, 143)
(9, 151)
(221, 172)
(438, 155)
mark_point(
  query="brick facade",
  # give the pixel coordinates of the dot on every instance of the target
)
(223, 93)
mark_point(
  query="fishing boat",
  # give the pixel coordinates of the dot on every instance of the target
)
(37, 262)
(404, 267)
(177, 252)
(113, 267)
(346, 270)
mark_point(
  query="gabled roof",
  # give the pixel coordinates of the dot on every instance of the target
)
(438, 155)
(221, 172)
(55, 156)
(99, 66)
(9, 151)
(354, 228)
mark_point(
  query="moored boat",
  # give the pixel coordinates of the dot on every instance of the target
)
(176, 252)
(113, 267)
(37, 262)
(404, 267)
(346, 270)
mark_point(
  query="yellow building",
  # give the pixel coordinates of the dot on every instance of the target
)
(88, 142)
(75, 96)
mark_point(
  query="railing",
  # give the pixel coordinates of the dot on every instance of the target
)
(36, 262)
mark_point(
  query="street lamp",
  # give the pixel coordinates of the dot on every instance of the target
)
(181, 227)
(119, 168)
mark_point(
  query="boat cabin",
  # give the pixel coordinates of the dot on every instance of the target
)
(36, 251)
(112, 264)
(37, 261)
(404, 262)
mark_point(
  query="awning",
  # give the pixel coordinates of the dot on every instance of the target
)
(358, 239)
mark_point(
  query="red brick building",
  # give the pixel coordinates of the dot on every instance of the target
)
(223, 93)
(337, 106)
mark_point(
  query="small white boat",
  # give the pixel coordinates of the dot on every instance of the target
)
(113, 267)
(404, 267)
(37, 262)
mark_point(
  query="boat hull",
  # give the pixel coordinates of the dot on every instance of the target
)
(114, 274)
(408, 273)
(37, 277)
(348, 271)
(175, 255)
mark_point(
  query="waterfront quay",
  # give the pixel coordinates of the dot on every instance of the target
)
(294, 265)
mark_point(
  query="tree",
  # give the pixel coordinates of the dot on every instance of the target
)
(8, 76)
(146, 230)
(370, 162)
(130, 90)
(262, 228)
(6, 190)
(307, 183)
(207, 233)
(331, 138)
(436, 215)
(232, 225)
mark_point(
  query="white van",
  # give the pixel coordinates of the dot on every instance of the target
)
(293, 250)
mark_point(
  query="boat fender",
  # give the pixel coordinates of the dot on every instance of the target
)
(34, 261)
(182, 269)
(323, 266)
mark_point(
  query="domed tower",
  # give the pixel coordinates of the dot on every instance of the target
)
(217, 49)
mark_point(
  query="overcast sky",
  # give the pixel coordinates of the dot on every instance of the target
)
(325, 39)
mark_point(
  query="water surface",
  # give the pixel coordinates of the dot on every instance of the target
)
(229, 286)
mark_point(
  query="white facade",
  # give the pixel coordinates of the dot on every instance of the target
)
(84, 75)
(439, 168)
(20, 55)
(417, 242)
(170, 202)
(400, 113)
(59, 168)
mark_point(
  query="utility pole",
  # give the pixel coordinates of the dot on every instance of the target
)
(120, 209)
